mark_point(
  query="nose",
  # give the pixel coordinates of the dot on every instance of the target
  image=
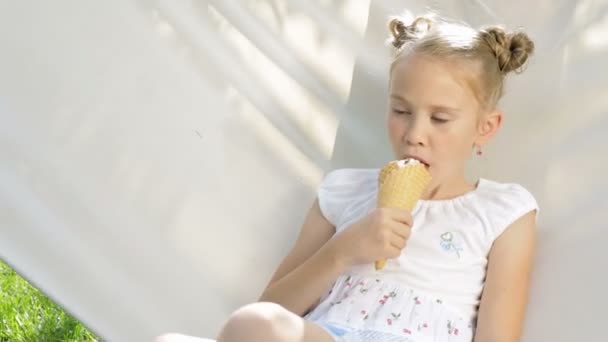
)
(415, 132)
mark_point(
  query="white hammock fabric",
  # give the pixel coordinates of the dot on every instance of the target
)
(157, 157)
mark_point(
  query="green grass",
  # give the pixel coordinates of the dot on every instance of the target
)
(27, 315)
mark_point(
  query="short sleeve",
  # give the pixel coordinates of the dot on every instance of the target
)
(342, 190)
(510, 204)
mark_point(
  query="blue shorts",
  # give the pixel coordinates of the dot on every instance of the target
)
(335, 331)
(349, 334)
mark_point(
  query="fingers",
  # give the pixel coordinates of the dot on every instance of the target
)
(393, 230)
(394, 252)
(398, 241)
(402, 223)
(400, 229)
(401, 215)
(385, 215)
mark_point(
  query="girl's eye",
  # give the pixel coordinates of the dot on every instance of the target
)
(438, 120)
(398, 111)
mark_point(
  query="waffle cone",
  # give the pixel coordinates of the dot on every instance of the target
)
(400, 185)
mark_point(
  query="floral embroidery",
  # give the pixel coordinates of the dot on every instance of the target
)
(452, 329)
(423, 326)
(449, 243)
(392, 294)
(363, 289)
(344, 297)
(354, 288)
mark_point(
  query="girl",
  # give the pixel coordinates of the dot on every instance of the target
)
(458, 264)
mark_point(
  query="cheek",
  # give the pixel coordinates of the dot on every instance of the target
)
(453, 146)
(395, 127)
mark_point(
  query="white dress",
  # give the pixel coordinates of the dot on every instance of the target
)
(432, 291)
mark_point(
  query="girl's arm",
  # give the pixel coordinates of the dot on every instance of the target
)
(505, 295)
(309, 269)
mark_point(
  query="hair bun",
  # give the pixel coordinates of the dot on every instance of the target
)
(511, 49)
(402, 33)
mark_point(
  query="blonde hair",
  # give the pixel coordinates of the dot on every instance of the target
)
(496, 51)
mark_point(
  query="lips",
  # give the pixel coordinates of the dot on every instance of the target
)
(420, 159)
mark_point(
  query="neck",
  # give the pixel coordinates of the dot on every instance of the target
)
(448, 189)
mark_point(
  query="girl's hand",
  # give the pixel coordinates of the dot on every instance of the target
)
(381, 234)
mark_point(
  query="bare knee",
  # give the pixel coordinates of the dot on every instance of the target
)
(262, 321)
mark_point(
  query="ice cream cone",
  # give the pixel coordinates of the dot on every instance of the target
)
(400, 185)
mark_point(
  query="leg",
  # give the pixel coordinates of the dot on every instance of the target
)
(269, 322)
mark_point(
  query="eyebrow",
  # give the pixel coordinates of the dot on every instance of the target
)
(438, 108)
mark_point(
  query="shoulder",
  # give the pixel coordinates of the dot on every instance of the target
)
(506, 194)
(341, 188)
(505, 203)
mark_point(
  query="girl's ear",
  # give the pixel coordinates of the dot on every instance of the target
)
(488, 127)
